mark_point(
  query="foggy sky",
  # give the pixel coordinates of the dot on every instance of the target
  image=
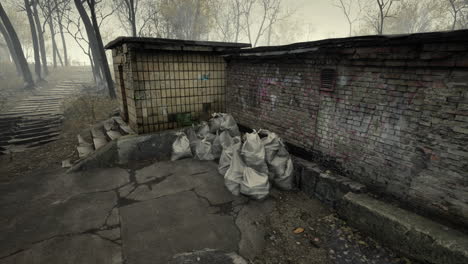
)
(322, 16)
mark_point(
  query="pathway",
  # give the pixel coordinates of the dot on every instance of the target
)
(36, 119)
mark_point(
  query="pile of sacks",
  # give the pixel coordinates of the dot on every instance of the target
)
(248, 165)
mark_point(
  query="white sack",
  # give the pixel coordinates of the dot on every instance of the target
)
(226, 155)
(216, 147)
(203, 150)
(181, 147)
(271, 143)
(230, 125)
(253, 153)
(285, 181)
(225, 139)
(279, 161)
(254, 184)
(203, 130)
(215, 122)
(235, 173)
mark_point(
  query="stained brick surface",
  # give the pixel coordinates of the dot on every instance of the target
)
(396, 121)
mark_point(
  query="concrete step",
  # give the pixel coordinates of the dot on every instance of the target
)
(99, 137)
(124, 128)
(34, 139)
(113, 135)
(412, 235)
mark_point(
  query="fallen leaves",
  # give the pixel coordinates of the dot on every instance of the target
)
(298, 230)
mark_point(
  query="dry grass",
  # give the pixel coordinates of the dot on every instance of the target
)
(86, 110)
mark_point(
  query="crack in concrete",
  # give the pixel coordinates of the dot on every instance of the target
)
(92, 231)
(234, 215)
(199, 173)
(224, 208)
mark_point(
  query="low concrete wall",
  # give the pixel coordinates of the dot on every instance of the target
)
(157, 146)
(320, 183)
(406, 232)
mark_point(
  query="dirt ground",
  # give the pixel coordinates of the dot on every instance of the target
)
(320, 237)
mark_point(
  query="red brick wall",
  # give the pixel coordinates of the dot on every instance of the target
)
(397, 120)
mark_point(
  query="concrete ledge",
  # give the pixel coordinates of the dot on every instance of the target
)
(326, 186)
(104, 157)
(130, 148)
(406, 232)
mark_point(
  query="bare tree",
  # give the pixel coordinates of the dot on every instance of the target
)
(48, 9)
(152, 22)
(352, 10)
(186, 19)
(416, 16)
(227, 19)
(40, 35)
(457, 8)
(376, 18)
(11, 34)
(127, 11)
(11, 48)
(37, 58)
(95, 41)
(61, 8)
(269, 9)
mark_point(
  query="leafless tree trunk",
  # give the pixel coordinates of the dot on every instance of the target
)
(59, 15)
(270, 15)
(37, 58)
(127, 10)
(238, 17)
(346, 7)
(17, 48)
(11, 49)
(457, 7)
(384, 9)
(40, 35)
(101, 50)
(95, 42)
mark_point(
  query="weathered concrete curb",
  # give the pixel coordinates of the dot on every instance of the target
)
(406, 232)
(130, 148)
(318, 183)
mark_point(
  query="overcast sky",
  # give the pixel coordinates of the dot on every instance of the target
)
(327, 20)
(324, 19)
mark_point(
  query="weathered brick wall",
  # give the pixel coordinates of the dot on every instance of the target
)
(396, 121)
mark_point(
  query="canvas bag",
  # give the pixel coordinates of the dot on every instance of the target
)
(230, 125)
(216, 147)
(203, 150)
(254, 184)
(253, 153)
(279, 161)
(235, 173)
(181, 147)
(229, 146)
(216, 121)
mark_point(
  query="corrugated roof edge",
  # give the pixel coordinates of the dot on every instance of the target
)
(360, 41)
(162, 41)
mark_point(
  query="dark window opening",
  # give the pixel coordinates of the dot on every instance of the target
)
(327, 80)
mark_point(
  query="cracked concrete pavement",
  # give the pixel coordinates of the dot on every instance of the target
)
(167, 211)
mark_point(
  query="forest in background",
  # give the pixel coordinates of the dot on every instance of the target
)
(41, 32)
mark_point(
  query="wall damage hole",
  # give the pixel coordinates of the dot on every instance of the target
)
(327, 80)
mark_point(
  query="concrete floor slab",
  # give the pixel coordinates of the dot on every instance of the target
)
(86, 248)
(174, 224)
(49, 219)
